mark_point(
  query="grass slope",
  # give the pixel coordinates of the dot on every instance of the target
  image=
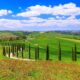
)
(53, 39)
(39, 70)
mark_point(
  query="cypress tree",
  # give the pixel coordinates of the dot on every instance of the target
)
(29, 51)
(59, 55)
(47, 52)
(22, 50)
(6, 50)
(24, 46)
(17, 51)
(75, 53)
(72, 54)
(38, 51)
(35, 53)
(4, 53)
(19, 46)
(13, 50)
(9, 51)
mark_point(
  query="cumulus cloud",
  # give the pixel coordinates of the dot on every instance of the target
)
(64, 17)
(5, 12)
(66, 9)
(35, 11)
(39, 22)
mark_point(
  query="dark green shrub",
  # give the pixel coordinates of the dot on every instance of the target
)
(75, 53)
(59, 55)
(22, 49)
(47, 52)
(37, 52)
(9, 51)
(17, 50)
(4, 53)
(29, 51)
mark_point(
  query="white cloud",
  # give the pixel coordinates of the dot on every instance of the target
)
(35, 11)
(70, 10)
(9, 23)
(5, 12)
(66, 9)
(38, 22)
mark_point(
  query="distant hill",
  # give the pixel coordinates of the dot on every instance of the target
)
(12, 35)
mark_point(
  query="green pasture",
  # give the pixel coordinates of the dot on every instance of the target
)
(52, 39)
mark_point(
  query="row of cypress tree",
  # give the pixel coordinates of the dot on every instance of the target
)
(16, 48)
(74, 52)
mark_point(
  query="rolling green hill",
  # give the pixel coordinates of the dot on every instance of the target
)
(52, 39)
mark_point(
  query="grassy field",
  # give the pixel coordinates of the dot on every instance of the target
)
(52, 39)
(39, 70)
(42, 69)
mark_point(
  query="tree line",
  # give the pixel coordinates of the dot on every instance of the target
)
(16, 48)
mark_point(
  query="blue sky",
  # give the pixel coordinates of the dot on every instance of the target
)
(39, 15)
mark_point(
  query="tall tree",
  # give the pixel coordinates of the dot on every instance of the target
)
(9, 51)
(72, 54)
(4, 53)
(29, 51)
(59, 55)
(75, 53)
(17, 51)
(37, 52)
(47, 52)
(13, 50)
(22, 48)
